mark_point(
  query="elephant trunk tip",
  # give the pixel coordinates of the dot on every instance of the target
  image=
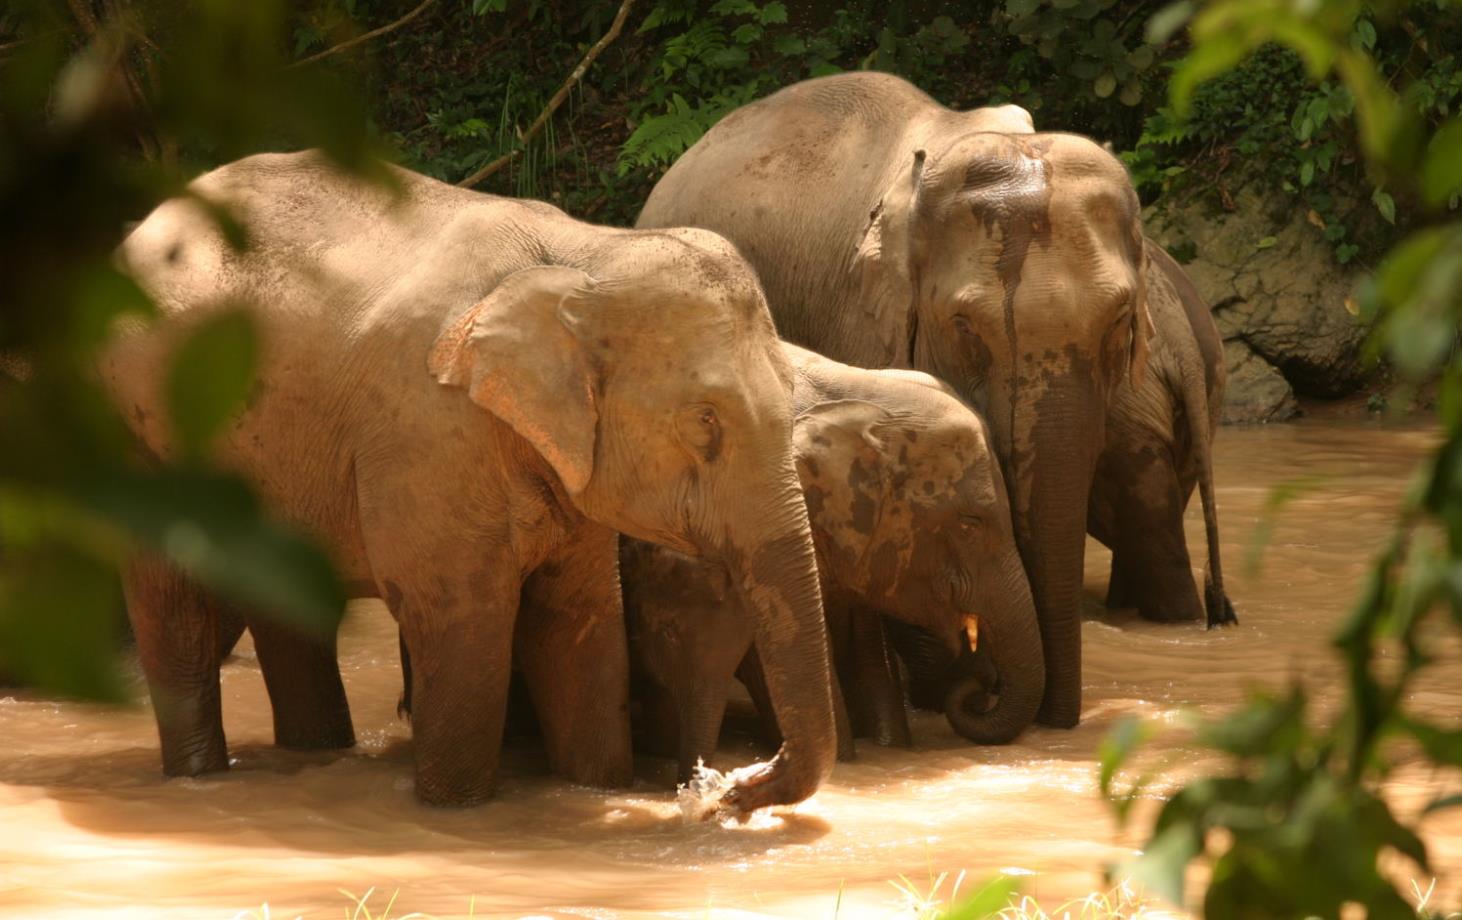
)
(973, 712)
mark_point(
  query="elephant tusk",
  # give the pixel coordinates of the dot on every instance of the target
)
(972, 630)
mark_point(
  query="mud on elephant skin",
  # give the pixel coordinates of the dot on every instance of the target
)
(465, 397)
(911, 521)
(1006, 262)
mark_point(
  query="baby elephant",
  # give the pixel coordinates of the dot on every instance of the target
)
(910, 520)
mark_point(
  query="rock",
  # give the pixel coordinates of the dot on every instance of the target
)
(1256, 390)
(1275, 284)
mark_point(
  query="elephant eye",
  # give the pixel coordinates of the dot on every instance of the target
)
(971, 523)
(700, 428)
(962, 324)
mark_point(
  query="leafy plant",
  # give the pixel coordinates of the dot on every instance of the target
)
(94, 122)
(1295, 824)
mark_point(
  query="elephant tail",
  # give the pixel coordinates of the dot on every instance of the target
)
(1216, 605)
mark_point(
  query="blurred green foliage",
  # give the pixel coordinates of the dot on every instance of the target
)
(1304, 825)
(106, 108)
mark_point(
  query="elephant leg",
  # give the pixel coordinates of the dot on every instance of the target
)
(460, 645)
(571, 645)
(306, 693)
(176, 625)
(661, 720)
(876, 693)
(403, 703)
(700, 714)
(1119, 584)
(230, 630)
(750, 674)
(1151, 569)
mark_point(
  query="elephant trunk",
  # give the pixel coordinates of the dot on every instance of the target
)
(1056, 438)
(1009, 632)
(776, 570)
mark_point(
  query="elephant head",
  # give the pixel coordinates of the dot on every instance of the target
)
(911, 517)
(1019, 261)
(652, 383)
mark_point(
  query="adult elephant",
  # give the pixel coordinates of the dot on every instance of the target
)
(465, 397)
(911, 521)
(890, 231)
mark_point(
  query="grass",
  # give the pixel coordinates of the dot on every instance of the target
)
(360, 909)
(994, 899)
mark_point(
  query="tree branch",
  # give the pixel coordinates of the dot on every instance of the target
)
(364, 36)
(558, 98)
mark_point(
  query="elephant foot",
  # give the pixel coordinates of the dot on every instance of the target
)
(1059, 715)
(1168, 614)
(315, 735)
(452, 796)
(194, 753)
(1220, 610)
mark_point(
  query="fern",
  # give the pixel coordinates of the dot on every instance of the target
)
(659, 139)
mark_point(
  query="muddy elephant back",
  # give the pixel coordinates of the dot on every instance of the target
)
(1200, 320)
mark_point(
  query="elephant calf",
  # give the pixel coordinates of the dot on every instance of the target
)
(465, 398)
(911, 521)
(1159, 445)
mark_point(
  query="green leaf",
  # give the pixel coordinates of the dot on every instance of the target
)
(1141, 57)
(60, 621)
(1131, 92)
(747, 33)
(789, 45)
(1266, 242)
(774, 13)
(993, 897)
(1104, 85)
(1307, 172)
(212, 527)
(211, 376)
(1365, 33)
(1441, 745)
(480, 7)
(1165, 859)
(1449, 801)
(1441, 174)
(1385, 204)
(1117, 746)
(1168, 20)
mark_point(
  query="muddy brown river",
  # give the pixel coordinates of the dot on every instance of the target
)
(88, 826)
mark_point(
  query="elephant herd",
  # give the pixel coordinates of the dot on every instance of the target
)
(581, 460)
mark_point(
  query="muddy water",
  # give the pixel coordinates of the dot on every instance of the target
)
(88, 826)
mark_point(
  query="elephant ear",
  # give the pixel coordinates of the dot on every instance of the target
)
(841, 461)
(517, 355)
(883, 263)
(1143, 328)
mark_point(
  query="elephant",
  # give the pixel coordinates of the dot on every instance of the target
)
(1159, 437)
(465, 399)
(911, 521)
(890, 231)
(1159, 445)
